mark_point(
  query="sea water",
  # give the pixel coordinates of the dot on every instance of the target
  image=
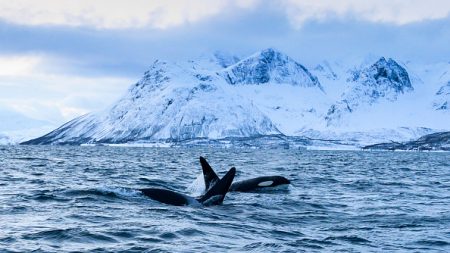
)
(84, 199)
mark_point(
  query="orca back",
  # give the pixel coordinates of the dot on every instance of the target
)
(258, 183)
(209, 176)
(216, 194)
(166, 196)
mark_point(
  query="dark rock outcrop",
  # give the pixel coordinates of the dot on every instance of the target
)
(435, 141)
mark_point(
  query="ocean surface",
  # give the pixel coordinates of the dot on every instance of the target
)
(83, 199)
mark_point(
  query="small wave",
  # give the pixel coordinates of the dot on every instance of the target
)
(37, 181)
(352, 239)
(53, 234)
(149, 240)
(122, 234)
(168, 235)
(295, 190)
(312, 243)
(8, 239)
(89, 192)
(359, 184)
(190, 232)
(44, 197)
(261, 246)
(197, 187)
(25, 158)
(39, 165)
(71, 234)
(286, 234)
(110, 192)
(402, 224)
(395, 183)
(323, 180)
(121, 191)
(38, 174)
(144, 249)
(438, 243)
(317, 206)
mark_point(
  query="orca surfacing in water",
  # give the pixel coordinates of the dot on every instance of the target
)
(258, 183)
(213, 196)
(254, 184)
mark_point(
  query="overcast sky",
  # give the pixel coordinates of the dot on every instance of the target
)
(62, 58)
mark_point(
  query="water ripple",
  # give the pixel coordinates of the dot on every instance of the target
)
(84, 199)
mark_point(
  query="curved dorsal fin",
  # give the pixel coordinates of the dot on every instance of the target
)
(209, 175)
(216, 194)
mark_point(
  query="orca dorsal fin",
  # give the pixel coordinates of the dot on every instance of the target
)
(216, 194)
(209, 175)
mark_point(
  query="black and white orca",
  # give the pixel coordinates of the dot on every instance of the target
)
(213, 196)
(254, 184)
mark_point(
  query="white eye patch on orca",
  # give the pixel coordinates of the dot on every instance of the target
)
(265, 183)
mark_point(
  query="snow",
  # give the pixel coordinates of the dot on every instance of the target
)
(289, 107)
(268, 93)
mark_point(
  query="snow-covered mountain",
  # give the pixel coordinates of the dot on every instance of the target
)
(171, 102)
(266, 94)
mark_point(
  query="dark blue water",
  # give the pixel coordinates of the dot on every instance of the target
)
(63, 199)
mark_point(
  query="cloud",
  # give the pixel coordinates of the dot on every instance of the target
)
(124, 14)
(398, 12)
(18, 65)
(115, 14)
(28, 85)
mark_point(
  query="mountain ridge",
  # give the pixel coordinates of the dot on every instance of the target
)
(267, 93)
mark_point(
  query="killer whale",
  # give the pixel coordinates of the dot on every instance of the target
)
(254, 184)
(213, 196)
(258, 183)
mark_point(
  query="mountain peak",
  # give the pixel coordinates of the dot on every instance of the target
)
(385, 79)
(391, 73)
(385, 74)
(382, 60)
(269, 66)
(270, 54)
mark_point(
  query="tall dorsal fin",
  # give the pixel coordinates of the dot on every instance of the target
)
(209, 175)
(216, 194)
